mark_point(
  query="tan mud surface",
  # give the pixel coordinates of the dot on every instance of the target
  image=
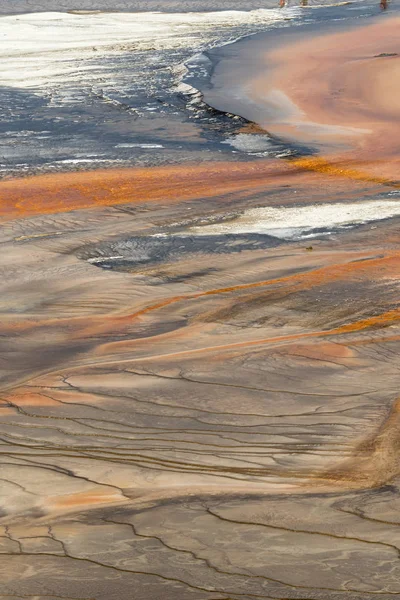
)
(207, 424)
(207, 430)
(338, 89)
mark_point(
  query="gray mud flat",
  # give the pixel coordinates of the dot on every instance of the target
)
(134, 253)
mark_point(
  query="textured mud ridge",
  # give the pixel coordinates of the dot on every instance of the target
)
(211, 417)
(221, 422)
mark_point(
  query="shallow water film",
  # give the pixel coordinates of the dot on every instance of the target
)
(200, 318)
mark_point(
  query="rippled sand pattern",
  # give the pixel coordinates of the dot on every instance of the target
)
(197, 423)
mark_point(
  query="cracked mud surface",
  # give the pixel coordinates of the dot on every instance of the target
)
(213, 425)
(196, 418)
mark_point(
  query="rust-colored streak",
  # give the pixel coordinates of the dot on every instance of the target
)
(46, 194)
(384, 267)
(343, 169)
(383, 320)
(56, 193)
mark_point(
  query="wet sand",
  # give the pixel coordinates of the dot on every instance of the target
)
(335, 92)
(190, 420)
(345, 86)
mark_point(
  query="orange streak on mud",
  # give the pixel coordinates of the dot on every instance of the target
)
(388, 266)
(90, 498)
(339, 169)
(385, 267)
(49, 194)
(46, 194)
(383, 320)
(24, 398)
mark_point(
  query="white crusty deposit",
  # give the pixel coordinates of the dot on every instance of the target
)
(299, 221)
(40, 49)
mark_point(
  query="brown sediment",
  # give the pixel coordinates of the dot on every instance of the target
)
(375, 461)
(252, 128)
